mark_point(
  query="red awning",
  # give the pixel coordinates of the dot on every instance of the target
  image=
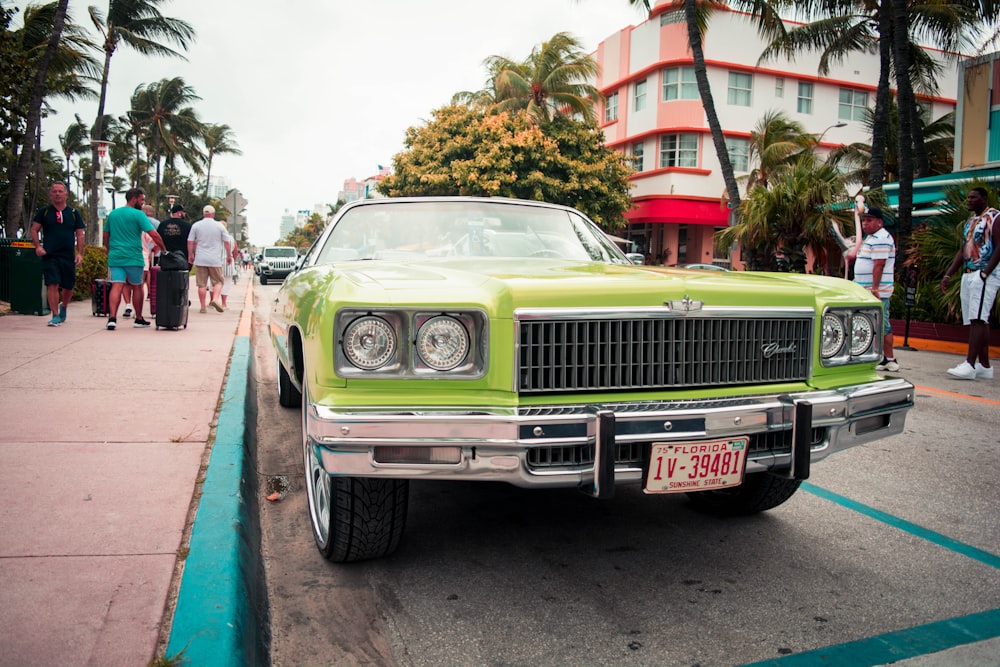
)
(680, 211)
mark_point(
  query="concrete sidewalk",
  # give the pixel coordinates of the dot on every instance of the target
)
(104, 438)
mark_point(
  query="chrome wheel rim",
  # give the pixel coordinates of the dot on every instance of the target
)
(317, 483)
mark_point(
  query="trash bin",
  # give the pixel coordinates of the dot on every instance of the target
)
(27, 290)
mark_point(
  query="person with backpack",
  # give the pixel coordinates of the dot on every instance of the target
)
(60, 247)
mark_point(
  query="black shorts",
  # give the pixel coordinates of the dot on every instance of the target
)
(59, 270)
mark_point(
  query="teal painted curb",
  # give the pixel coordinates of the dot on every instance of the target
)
(214, 623)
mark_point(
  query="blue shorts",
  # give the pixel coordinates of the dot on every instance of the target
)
(130, 274)
(886, 325)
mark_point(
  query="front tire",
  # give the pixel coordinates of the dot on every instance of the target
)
(288, 395)
(759, 492)
(352, 518)
(263, 279)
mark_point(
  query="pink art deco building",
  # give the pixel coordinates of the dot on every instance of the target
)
(654, 114)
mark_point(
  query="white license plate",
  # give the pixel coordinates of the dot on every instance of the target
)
(703, 465)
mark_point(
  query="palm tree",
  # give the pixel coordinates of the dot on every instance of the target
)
(218, 140)
(555, 77)
(54, 49)
(169, 125)
(775, 142)
(139, 25)
(75, 141)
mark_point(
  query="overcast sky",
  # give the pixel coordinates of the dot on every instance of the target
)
(318, 91)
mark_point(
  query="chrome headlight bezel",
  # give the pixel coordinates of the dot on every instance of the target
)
(442, 343)
(851, 335)
(411, 326)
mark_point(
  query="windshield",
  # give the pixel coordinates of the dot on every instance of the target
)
(281, 252)
(412, 230)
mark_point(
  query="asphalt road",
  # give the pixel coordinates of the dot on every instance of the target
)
(885, 537)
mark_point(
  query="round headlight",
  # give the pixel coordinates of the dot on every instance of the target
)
(369, 342)
(862, 334)
(833, 336)
(442, 343)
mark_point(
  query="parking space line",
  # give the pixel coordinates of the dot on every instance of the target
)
(955, 394)
(900, 645)
(991, 559)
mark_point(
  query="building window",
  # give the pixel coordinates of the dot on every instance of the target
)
(638, 149)
(679, 84)
(679, 150)
(853, 104)
(611, 108)
(738, 150)
(640, 95)
(805, 103)
(740, 87)
(779, 87)
(675, 16)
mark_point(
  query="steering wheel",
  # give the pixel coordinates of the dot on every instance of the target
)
(545, 252)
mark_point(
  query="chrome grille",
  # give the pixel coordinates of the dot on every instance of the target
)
(651, 353)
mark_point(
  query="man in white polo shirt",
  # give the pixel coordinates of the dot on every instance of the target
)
(207, 245)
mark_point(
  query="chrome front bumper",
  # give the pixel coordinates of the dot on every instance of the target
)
(494, 444)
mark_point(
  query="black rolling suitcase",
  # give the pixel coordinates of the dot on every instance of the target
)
(100, 297)
(172, 299)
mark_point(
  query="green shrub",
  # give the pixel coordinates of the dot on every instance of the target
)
(95, 265)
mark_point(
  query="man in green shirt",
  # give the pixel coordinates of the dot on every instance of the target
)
(123, 238)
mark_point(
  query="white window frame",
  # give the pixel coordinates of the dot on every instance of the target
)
(611, 107)
(679, 83)
(637, 152)
(678, 150)
(779, 86)
(740, 91)
(639, 96)
(804, 100)
(739, 153)
(852, 104)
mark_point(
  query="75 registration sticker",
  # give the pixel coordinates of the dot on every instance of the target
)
(705, 465)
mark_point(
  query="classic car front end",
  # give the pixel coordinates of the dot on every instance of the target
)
(475, 339)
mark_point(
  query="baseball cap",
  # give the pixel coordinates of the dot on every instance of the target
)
(874, 212)
(177, 208)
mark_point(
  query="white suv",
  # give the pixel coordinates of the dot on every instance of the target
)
(276, 262)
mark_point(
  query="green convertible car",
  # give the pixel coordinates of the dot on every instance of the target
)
(501, 340)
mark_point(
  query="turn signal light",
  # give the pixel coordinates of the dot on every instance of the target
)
(419, 455)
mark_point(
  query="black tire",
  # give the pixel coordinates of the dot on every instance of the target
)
(759, 492)
(288, 395)
(263, 279)
(352, 518)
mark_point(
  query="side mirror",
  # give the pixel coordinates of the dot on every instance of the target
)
(636, 257)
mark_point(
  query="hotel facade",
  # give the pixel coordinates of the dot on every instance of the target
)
(654, 115)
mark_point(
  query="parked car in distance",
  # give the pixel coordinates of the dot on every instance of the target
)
(276, 262)
(504, 340)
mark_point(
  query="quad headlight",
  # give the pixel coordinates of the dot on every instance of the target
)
(442, 343)
(850, 336)
(369, 342)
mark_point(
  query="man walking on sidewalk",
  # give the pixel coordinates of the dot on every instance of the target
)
(873, 270)
(207, 245)
(60, 225)
(979, 256)
(123, 239)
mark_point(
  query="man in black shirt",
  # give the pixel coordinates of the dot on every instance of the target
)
(62, 233)
(175, 230)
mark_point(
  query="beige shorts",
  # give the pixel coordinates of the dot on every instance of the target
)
(203, 273)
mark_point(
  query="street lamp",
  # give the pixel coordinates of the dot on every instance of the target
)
(823, 133)
(102, 150)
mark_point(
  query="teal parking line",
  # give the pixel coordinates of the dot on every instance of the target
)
(212, 603)
(975, 553)
(899, 645)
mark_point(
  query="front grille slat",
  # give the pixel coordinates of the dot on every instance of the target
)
(579, 355)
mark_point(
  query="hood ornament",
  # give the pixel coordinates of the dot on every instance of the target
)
(685, 305)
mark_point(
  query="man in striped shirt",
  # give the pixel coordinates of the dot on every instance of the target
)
(873, 270)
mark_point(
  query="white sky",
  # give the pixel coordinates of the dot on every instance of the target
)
(320, 91)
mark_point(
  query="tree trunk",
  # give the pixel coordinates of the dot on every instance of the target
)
(93, 235)
(701, 75)
(19, 174)
(905, 104)
(880, 120)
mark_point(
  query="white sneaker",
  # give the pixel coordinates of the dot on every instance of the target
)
(983, 373)
(891, 365)
(964, 371)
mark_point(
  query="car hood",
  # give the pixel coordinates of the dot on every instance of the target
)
(538, 283)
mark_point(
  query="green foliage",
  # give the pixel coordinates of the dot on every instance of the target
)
(95, 265)
(462, 151)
